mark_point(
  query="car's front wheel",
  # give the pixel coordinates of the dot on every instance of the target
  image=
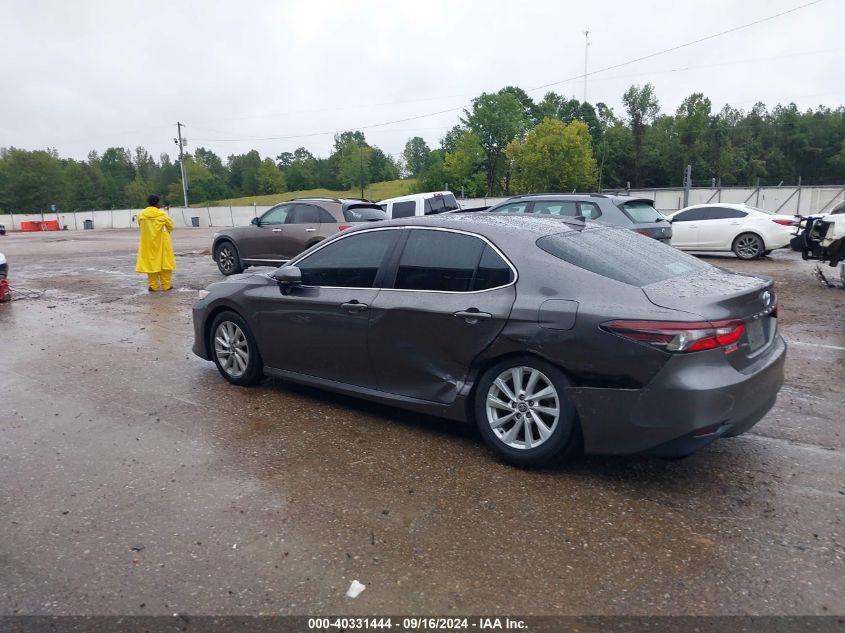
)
(523, 413)
(228, 261)
(234, 350)
(748, 246)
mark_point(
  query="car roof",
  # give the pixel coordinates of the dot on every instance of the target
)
(725, 205)
(616, 199)
(497, 228)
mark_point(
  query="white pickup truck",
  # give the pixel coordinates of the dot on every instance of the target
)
(420, 204)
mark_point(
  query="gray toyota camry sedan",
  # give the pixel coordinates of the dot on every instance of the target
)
(550, 335)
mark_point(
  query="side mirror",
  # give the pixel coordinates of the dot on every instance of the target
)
(255, 221)
(288, 276)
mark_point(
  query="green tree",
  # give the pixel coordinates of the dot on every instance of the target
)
(356, 167)
(32, 180)
(243, 172)
(268, 178)
(416, 155)
(495, 119)
(642, 107)
(554, 156)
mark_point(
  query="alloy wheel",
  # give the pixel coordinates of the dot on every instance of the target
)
(523, 408)
(748, 247)
(231, 348)
(226, 259)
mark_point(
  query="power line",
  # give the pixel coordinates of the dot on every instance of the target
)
(554, 83)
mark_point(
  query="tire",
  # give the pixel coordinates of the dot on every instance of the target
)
(562, 432)
(767, 253)
(227, 258)
(748, 246)
(234, 350)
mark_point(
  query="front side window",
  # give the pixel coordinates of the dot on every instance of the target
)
(405, 209)
(722, 213)
(690, 215)
(276, 215)
(453, 262)
(304, 214)
(350, 262)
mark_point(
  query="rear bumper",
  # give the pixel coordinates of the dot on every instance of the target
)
(692, 401)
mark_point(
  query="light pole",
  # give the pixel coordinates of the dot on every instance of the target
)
(181, 143)
(586, 48)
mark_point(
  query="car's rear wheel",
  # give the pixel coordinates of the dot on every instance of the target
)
(748, 246)
(523, 413)
(228, 261)
(234, 350)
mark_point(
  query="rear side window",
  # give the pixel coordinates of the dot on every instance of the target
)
(566, 208)
(589, 210)
(440, 203)
(641, 211)
(303, 214)
(350, 262)
(621, 255)
(405, 209)
(364, 214)
(514, 208)
(446, 261)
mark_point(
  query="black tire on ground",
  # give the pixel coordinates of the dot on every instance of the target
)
(748, 246)
(235, 373)
(565, 434)
(767, 253)
(227, 258)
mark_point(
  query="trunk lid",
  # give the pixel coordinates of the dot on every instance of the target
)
(717, 294)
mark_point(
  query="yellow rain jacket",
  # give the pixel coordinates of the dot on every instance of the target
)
(155, 250)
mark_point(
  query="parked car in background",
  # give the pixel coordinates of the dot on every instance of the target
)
(5, 294)
(418, 204)
(637, 214)
(550, 334)
(288, 229)
(747, 231)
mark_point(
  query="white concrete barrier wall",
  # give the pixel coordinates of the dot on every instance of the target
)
(786, 200)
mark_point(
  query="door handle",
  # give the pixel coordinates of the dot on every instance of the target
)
(277, 230)
(310, 230)
(354, 306)
(692, 226)
(734, 223)
(473, 316)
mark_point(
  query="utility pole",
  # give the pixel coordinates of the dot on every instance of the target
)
(181, 143)
(586, 48)
(361, 167)
(687, 184)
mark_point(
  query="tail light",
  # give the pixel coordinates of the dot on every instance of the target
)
(645, 232)
(784, 222)
(774, 312)
(343, 227)
(678, 336)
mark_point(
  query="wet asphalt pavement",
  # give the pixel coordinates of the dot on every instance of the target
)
(133, 479)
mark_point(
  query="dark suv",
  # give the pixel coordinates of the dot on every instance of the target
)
(288, 229)
(637, 214)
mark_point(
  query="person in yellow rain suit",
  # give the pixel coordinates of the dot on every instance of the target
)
(155, 250)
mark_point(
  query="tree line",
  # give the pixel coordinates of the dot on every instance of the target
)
(505, 143)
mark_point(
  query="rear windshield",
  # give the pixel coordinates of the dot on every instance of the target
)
(621, 255)
(440, 203)
(364, 214)
(641, 211)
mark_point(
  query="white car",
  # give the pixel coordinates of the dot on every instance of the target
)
(420, 204)
(747, 231)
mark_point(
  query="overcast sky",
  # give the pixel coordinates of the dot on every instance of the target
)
(80, 75)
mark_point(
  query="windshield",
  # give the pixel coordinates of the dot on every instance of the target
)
(621, 254)
(364, 214)
(641, 211)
